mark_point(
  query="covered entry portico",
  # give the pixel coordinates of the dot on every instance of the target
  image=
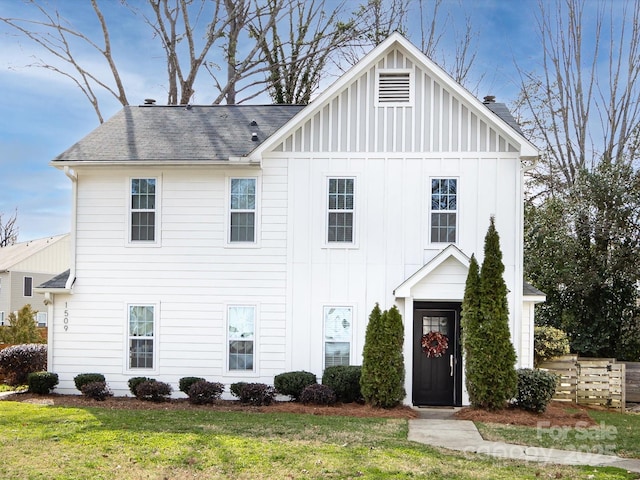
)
(432, 303)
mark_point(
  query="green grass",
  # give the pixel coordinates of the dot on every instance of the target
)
(43, 442)
(614, 434)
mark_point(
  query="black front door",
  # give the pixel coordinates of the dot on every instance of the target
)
(436, 369)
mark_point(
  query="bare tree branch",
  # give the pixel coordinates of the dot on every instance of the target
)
(8, 229)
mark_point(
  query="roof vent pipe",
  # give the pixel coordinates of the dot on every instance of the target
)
(149, 101)
(254, 137)
(489, 99)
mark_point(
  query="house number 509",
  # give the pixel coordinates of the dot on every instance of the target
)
(66, 317)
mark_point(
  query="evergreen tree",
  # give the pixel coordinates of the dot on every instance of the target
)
(382, 378)
(22, 328)
(490, 358)
(472, 337)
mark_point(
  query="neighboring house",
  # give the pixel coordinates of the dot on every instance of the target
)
(239, 242)
(24, 266)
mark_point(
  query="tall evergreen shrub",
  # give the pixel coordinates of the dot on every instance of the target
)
(472, 337)
(490, 356)
(382, 377)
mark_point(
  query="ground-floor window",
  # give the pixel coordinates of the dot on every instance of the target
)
(337, 335)
(241, 337)
(141, 336)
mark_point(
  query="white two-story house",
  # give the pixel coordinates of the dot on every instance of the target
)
(239, 242)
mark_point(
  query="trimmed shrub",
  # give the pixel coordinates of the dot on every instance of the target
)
(133, 383)
(549, 342)
(254, 393)
(82, 379)
(344, 380)
(236, 389)
(97, 390)
(203, 392)
(318, 395)
(18, 361)
(535, 389)
(153, 391)
(293, 383)
(382, 378)
(184, 384)
(42, 383)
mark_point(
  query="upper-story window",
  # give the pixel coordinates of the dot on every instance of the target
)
(340, 211)
(444, 210)
(143, 210)
(27, 290)
(242, 220)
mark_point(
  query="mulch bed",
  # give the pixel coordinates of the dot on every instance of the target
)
(132, 403)
(558, 414)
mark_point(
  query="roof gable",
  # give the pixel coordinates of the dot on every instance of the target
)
(450, 252)
(441, 117)
(12, 256)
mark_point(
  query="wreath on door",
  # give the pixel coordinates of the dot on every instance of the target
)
(434, 344)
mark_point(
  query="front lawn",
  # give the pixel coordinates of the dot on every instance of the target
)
(614, 434)
(47, 442)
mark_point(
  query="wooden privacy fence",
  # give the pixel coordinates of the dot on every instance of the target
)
(632, 375)
(589, 381)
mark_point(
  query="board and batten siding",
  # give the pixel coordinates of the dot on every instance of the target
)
(191, 274)
(392, 223)
(437, 120)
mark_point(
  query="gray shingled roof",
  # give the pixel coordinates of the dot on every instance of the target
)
(501, 110)
(528, 289)
(59, 281)
(180, 133)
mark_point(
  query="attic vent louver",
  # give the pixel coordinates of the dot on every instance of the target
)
(394, 87)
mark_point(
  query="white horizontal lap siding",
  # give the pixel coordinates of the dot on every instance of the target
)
(192, 273)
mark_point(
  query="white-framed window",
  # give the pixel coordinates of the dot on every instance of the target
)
(243, 195)
(41, 319)
(338, 323)
(27, 289)
(444, 210)
(141, 326)
(1, 319)
(341, 210)
(394, 87)
(241, 320)
(143, 219)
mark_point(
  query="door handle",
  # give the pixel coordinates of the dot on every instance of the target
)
(451, 364)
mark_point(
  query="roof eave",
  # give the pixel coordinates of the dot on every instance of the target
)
(232, 161)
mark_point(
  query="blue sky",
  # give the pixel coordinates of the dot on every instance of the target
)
(42, 113)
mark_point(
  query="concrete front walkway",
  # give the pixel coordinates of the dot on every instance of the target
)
(437, 427)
